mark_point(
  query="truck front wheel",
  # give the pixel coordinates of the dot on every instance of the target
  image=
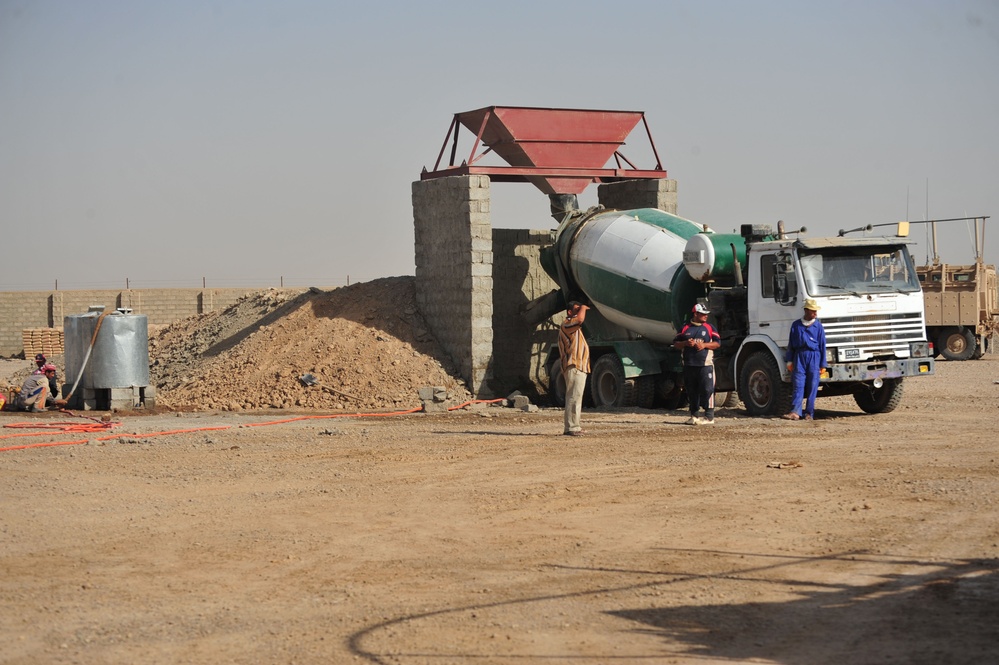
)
(761, 388)
(608, 386)
(879, 400)
(957, 343)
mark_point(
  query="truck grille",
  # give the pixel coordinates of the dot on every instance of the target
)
(876, 335)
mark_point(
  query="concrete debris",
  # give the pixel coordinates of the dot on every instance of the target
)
(521, 402)
(784, 465)
(435, 399)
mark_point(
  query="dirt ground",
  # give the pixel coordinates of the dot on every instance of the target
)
(250, 518)
(483, 536)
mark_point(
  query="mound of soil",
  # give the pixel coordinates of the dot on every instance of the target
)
(366, 345)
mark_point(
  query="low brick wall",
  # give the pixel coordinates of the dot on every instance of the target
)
(33, 311)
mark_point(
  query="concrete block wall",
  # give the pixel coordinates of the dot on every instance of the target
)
(20, 310)
(520, 349)
(631, 194)
(454, 271)
(472, 280)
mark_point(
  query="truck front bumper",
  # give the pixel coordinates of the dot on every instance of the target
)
(880, 369)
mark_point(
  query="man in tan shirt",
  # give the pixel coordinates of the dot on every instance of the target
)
(574, 353)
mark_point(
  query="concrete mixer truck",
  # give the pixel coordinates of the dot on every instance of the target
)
(643, 270)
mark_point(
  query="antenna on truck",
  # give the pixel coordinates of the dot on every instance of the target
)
(869, 227)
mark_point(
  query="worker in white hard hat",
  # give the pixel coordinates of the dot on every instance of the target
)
(697, 342)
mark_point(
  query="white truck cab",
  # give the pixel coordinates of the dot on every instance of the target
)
(871, 309)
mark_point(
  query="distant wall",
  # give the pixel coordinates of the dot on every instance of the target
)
(22, 310)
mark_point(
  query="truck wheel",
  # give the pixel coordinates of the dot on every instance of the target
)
(957, 343)
(608, 387)
(645, 391)
(556, 384)
(879, 400)
(669, 391)
(760, 386)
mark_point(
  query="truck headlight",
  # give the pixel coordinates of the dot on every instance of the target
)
(919, 350)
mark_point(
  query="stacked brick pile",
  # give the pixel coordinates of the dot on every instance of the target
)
(48, 341)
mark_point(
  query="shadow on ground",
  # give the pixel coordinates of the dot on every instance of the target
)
(907, 611)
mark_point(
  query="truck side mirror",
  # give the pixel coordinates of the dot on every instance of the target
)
(785, 285)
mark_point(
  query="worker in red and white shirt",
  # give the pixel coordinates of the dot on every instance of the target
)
(697, 341)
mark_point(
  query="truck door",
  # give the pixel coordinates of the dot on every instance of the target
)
(773, 297)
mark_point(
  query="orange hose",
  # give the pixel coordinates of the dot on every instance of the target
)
(333, 415)
(173, 431)
(102, 426)
(40, 445)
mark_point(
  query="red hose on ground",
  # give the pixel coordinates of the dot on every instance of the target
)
(103, 426)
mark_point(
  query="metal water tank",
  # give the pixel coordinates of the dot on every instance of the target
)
(115, 363)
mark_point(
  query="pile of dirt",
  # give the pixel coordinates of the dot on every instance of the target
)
(366, 345)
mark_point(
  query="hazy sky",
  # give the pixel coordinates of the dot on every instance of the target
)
(241, 142)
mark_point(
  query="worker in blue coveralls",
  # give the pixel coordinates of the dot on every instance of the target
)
(806, 358)
(698, 340)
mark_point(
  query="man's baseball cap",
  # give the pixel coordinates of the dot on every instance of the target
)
(39, 358)
(700, 309)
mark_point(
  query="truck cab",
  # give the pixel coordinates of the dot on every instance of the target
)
(872, 312)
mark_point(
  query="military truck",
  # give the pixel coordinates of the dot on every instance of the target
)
(961, 301)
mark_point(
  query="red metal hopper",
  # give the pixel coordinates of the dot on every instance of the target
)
(561, 151)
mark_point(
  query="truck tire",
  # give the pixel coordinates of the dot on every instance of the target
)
(608, 386)
(669, 391)
(556, 384)
(957, 343)
(879, 400)
(761, 388)
(645, 392)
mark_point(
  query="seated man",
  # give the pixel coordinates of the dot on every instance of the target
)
(50, 399)
(34, 390)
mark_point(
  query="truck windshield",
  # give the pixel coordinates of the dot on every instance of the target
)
(856, 270)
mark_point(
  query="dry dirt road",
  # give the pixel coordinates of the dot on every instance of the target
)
(482, 536)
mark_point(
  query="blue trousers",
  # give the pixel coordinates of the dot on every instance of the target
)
(699, 383)
(805, 380)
